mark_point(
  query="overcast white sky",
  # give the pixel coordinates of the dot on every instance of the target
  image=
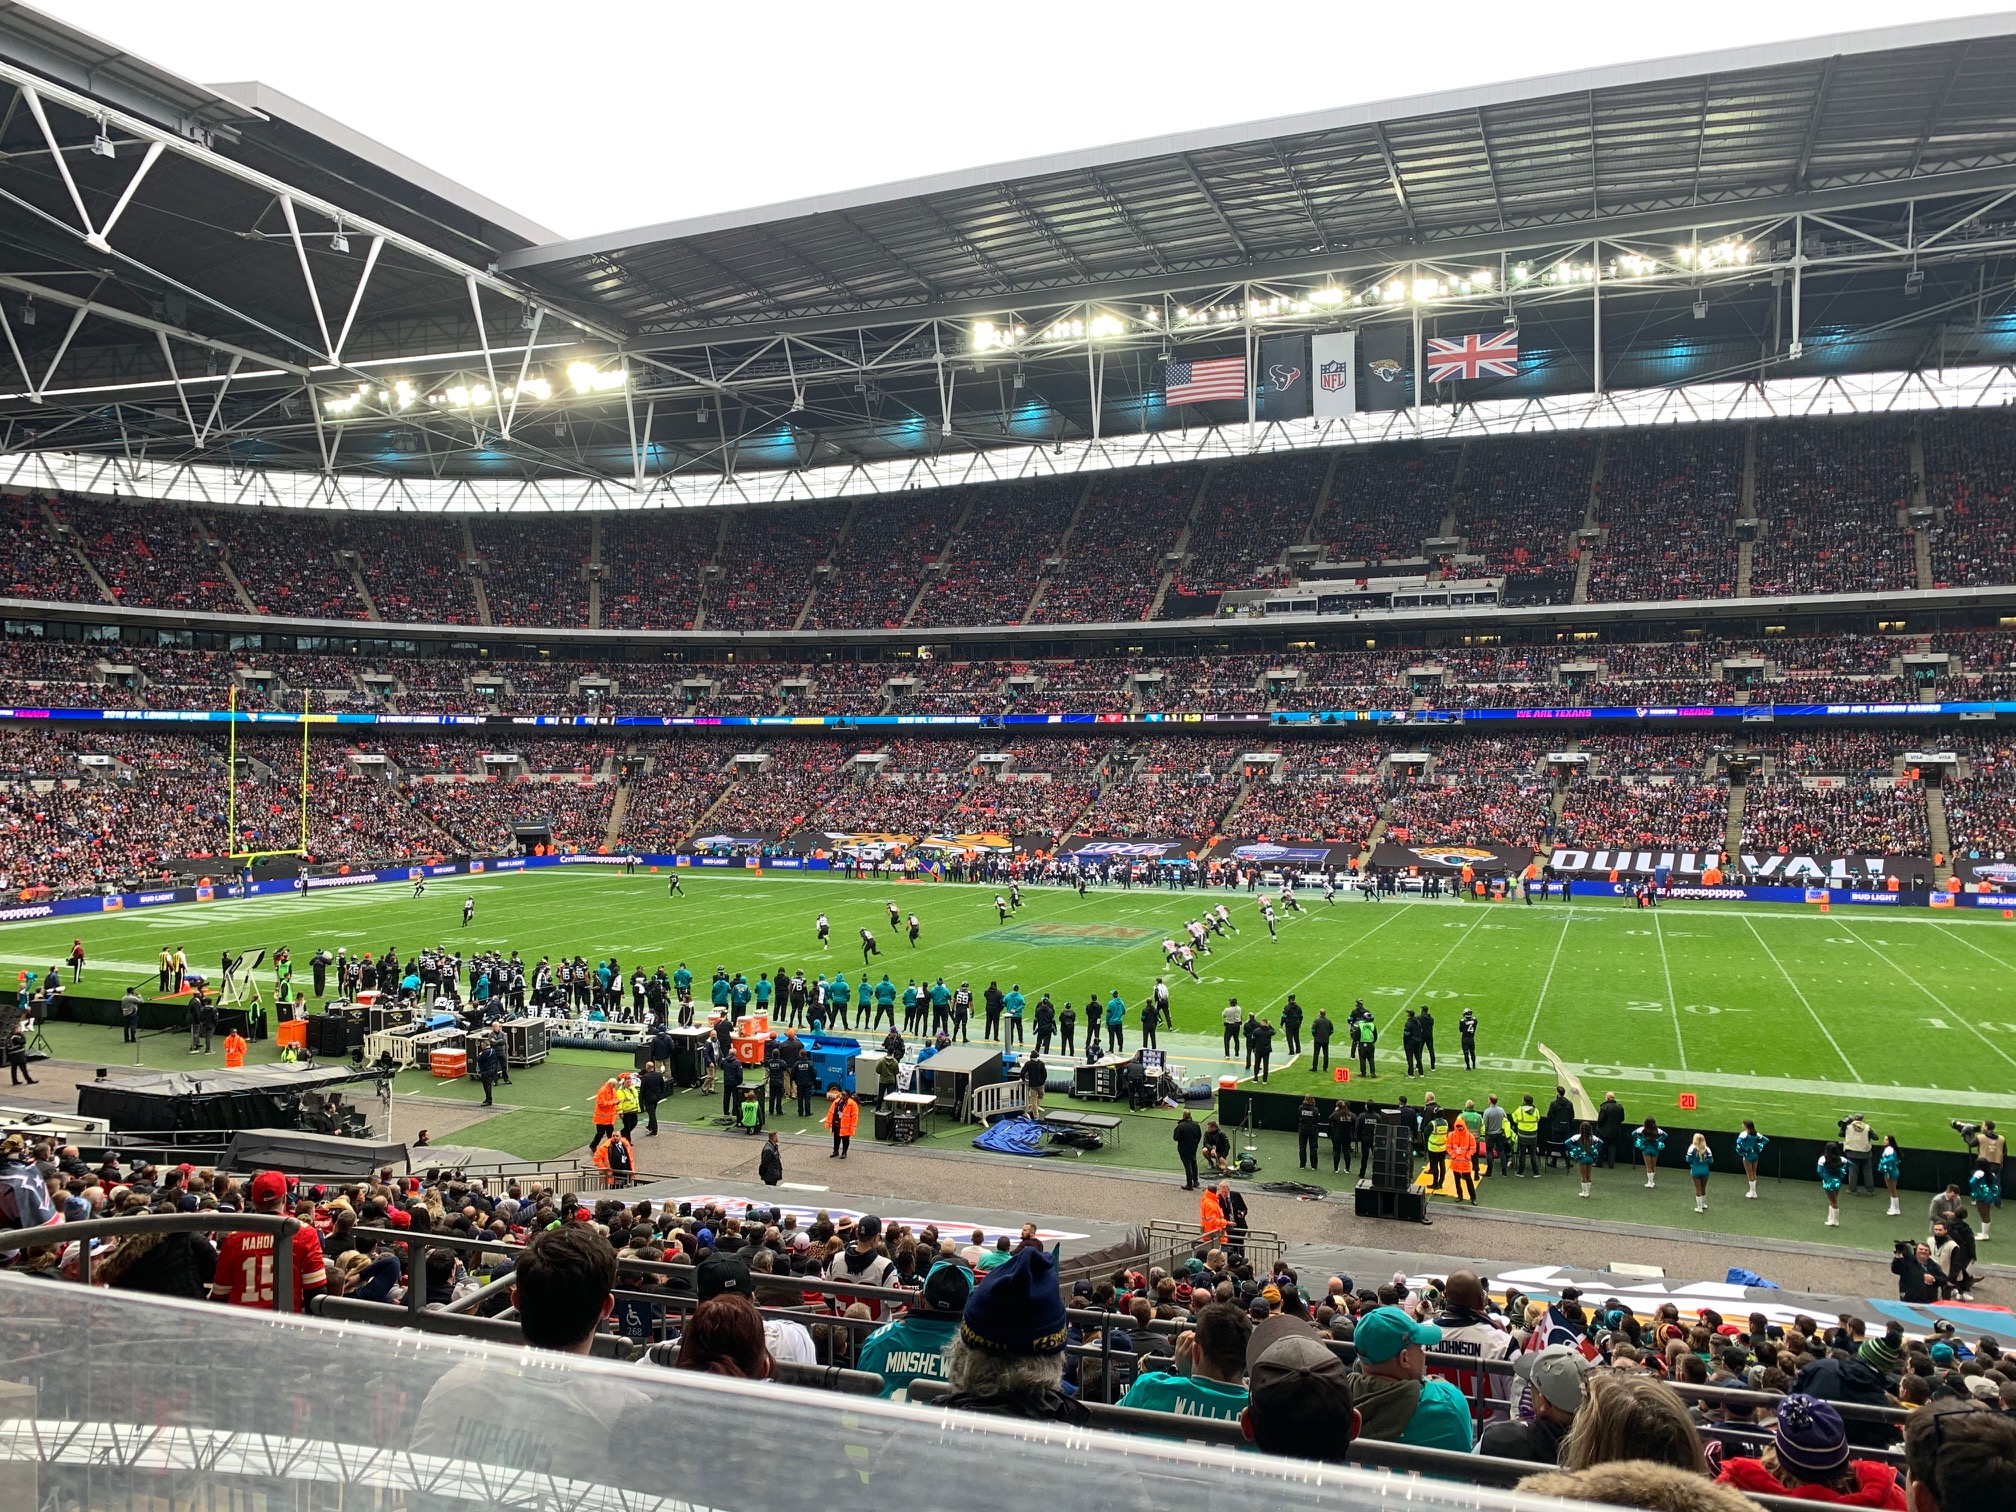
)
(591, 118)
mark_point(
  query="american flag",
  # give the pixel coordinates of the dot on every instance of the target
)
(1474, 357)
(1197, 382)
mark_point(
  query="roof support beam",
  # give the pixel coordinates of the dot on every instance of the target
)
(1211, 203)
(1302, 195)
(1680, 221)
(1393, 176)
(1937, 108)
(1491, 168)
(1820, 93)
(883, 249)
(1035, 220)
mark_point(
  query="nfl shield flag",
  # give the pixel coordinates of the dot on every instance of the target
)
(1283, 392)
(1334, 361)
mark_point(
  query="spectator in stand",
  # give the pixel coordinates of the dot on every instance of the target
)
(1210, 1369)
(1808, 1458)
(1300, 1402)
(1556, 1377)
(1960, 1459)
(1008, 1357)
(1397, 1400)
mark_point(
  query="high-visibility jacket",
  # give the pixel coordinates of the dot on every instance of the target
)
(627, 1100)
(234, 1050)
(609, 1161)
(847, 1111)
(1211, 1217)
(606, 1099)
(1526, 1120)
(1461, 1145)
(1438, 1137)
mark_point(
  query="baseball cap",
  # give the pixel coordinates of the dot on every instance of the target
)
(1383, 1332)
(268, 1186)
(723, 1273)
(1299, 1392)
(947, 1285)
(1556, 1372)
(870, 1227)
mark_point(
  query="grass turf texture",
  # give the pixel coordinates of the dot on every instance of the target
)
(1785, 1015)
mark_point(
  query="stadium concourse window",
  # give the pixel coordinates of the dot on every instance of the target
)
(247, 1405)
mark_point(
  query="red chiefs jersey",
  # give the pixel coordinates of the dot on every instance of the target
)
(244, 1275)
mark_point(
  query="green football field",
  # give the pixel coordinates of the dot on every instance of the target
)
(1784, 1015)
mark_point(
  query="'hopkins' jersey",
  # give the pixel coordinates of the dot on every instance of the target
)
(244, 1275)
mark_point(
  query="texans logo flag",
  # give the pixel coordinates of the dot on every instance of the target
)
(1473, 357)
(1283, 393)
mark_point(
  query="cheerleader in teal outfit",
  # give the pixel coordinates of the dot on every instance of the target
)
(1749, 1145)
(1583, 1149)
(1985, 1187)
(1889, 1165)
(1700, 1161)
(1833, 1171)
(1650, 1140)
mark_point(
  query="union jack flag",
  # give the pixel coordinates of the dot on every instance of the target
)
(1473, 357)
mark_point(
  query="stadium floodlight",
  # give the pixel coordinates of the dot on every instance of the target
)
(1106, 326)
(589, 379)
(1329, 294)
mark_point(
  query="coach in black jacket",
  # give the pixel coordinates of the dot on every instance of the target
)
(1610, 1126)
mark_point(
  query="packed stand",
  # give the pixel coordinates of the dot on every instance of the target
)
(1385, 501)
(34, 563)
(1253, 512)
(1668, 500)
(1970, 473)
(685, 779)
(993, 563)
(484, 814)
(1827, 502)
(153, 556)
(1047, 785)
(1781, 814)
(799, 778)
(877, 569)
(1115, 558)
(1519, 504)
(767, 564)
(535, 567)
(1179, 791)
(413, 567)
(654, 567)
(1487, 790)
(1307, 805)
(1981, 805)
(286, 560)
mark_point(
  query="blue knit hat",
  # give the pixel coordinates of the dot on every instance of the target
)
(1016, 1309)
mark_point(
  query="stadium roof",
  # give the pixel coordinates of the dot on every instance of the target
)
(1825, 121)
(209, 275)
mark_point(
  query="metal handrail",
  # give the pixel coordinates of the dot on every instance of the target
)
(605, 1345)
(280, 1225)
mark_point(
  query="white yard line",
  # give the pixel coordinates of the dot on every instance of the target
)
(1818, 1022)
(1930, 995)
(1672, 1002)
(1533, 1028)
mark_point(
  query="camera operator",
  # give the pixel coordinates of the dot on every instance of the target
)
(1855, 1141)
(1919, 1278)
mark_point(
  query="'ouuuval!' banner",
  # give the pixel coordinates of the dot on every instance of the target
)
(1791, 869)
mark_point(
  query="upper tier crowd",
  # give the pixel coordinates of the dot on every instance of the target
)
(1649, 514)
(1797, 670)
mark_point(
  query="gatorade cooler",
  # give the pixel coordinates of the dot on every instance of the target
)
(749, 1048)
(1228, 1084)
(366, 998)
(448, 1065)
(292, 1032)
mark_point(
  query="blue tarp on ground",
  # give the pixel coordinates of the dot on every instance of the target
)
(1012, 1136)
(1738, 1276)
